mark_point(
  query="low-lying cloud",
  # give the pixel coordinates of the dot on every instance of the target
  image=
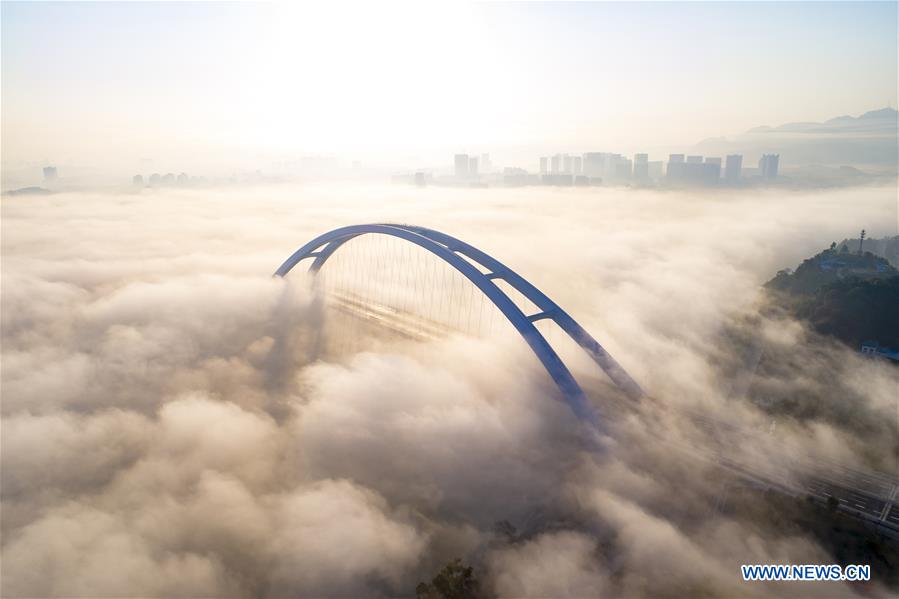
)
(171, 429)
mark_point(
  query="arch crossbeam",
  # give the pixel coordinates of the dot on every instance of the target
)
(460, 256)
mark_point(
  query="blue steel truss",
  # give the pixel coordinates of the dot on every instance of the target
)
(452, 250)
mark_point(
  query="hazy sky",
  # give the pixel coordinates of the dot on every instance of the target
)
(100, 82)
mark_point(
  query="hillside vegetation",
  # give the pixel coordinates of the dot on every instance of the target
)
(852, 297)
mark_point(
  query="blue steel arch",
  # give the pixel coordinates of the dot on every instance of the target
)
(451, 251)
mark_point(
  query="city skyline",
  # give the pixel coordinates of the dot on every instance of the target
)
(284, 87)
(866, 140)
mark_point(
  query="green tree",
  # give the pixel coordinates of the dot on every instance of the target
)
(455, 581)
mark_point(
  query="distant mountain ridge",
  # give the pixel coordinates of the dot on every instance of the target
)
(868, 139)
(883, 121)
(888, 112)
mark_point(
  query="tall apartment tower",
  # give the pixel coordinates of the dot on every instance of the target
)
(733, 167)
(577, 165)
(554, 166)
(461, 166)
(712, 170)
(485, 164)
(675, 166)
(641, 167)
(594, 164)
(768, 164)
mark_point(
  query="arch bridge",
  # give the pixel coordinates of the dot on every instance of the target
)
(463, 258)
(876, 492)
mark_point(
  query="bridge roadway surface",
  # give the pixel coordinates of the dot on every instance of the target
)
(870, 496)
(867, 495)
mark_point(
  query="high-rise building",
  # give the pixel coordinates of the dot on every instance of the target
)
(712, 171)
(566, 164)
(768, 164)
(155, 179)
(554, 164)
(560, 179)
(544, 165)
(472, 166)
(674, 168)
(49, 174)
(733, 167)
(576, 165)
(137, 180)
(623, 169)
(609, 167)
(641, 167)
(461, 162)
(485, 163)
(514, 176)
(595, 164)
(693, 172)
